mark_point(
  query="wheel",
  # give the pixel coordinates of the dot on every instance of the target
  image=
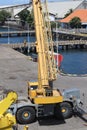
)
(25, 115)
(63, 110)
(66, 110)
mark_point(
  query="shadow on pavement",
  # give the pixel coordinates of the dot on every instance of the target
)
(82, 116)
(50, 121)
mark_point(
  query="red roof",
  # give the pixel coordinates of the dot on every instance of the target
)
(81, 13)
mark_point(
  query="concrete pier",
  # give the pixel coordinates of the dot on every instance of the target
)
(17, 33)
(16, 69)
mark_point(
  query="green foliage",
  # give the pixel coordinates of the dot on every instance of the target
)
(3, 16)
(75, 22)
(53, 25)
(26, 16)
(30, 19)
(68, 13)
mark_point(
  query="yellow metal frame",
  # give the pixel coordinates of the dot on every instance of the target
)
(34, 83)
(6, 102)
(7, 120)
(48, 100)
(39, 97)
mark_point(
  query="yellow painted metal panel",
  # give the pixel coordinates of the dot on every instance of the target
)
(6, 102)
(48, 100)
(32, 83)
(7, 121)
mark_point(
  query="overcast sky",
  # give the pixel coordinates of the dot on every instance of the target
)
(15, 2)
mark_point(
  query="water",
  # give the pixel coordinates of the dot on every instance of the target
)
(74, 61)
(15, 39)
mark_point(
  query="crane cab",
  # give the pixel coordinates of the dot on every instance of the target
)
(32, 86)
(43, 95)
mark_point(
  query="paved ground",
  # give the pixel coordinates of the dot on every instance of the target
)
(16, 69)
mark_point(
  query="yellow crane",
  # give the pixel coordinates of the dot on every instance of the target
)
(44, 93)
(43, 99)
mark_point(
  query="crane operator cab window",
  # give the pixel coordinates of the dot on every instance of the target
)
(32, 86)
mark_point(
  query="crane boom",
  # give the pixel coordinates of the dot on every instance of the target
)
(40, 45)
(45, 60)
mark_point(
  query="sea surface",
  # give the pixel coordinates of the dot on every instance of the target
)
(15, 39)
(74, 61)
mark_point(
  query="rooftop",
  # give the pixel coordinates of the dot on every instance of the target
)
(81, 13)
(62, 7)
(59, 8)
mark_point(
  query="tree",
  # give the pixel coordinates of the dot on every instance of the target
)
(30, 19)
(53, 24)
(68, 13)
(75, 22)
(4, 15)
(26, 16)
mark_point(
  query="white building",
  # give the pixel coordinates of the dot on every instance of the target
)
(61, 8)
(56, 9)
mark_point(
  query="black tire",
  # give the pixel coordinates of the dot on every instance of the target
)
(25, 115)
(63, 110)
